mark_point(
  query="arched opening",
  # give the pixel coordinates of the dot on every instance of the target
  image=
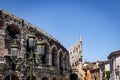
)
(45, 57)
(12, 32)
(44, 78)
(54, 79)
(61, 79)
(61, 62)
(54, 57)
(73, 76)
(33, 78)
(11, 77)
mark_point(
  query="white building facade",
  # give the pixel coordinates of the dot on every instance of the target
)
(75, 53)
(114, 59)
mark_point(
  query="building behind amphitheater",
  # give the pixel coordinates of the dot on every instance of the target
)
(55, 61)
(75, 52)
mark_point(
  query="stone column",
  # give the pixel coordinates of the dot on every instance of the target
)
(101, 74)
(2, 37)
(68, 64)
(63, 63)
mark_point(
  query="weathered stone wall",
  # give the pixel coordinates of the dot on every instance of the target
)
(55, 66)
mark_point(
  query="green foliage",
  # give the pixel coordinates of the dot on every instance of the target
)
(107, 74)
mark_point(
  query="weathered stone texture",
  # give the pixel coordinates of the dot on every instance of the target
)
(13, 29)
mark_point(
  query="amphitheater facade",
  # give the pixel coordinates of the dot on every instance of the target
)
(55, 61)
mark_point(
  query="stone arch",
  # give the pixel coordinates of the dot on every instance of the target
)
(33, 78)
(45, 78)
(47, 43)
(45, 57)
(60, 50)
(54, 78)
(66, 52)
(53, 47)
(12, 32)
(54, 56)
(73, 76)
(12, 76)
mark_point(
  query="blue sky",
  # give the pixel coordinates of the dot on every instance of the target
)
(97, 21)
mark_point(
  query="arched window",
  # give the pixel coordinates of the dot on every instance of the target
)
(45, 57)
(54, 57)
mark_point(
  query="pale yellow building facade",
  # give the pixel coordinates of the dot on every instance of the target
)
(75, 53)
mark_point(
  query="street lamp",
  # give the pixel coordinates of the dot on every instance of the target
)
(36, 51)
(117, 72)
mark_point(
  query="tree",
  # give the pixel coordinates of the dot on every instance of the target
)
(107, 75)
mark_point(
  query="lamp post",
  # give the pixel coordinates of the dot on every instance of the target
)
(36, 50)
(117, 71)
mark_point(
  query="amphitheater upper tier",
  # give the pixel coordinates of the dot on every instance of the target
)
(55, 63)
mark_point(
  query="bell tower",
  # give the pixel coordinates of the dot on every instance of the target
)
(75, 52)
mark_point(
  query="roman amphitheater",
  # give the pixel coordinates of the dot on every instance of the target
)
(54, 64)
